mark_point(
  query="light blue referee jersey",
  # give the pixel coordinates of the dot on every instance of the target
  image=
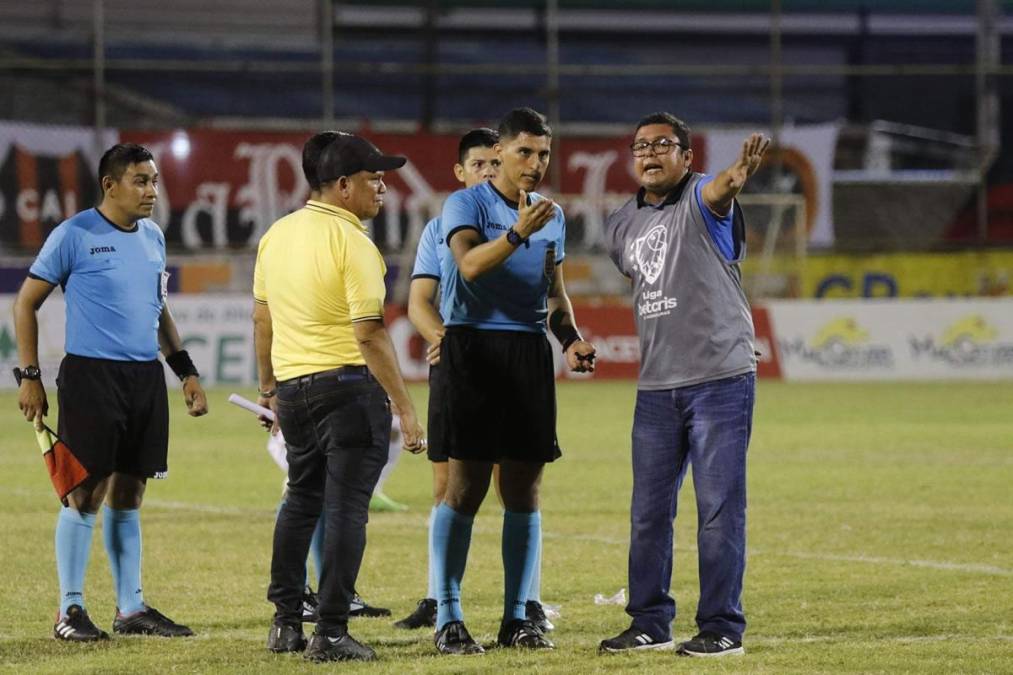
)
(113, 284)
(431, 252)
(513, 295)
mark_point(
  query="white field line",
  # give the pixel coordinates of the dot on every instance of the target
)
(972, 568)
(852, 639)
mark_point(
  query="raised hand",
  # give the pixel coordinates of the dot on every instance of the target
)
(749, 160)
(533, 217)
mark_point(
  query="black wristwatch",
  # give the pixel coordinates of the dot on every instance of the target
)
(514, 237)
(27, 373)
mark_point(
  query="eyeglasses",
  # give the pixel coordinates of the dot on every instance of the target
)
(661, 146)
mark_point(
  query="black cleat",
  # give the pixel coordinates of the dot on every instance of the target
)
(149, 621)
(524, 634)
(535, 613)
(76, 626)
(632, 639)
(310, 606)
(709, 643)
(340, 648)
(454, 639)
(359, 608)
(423, 616)
(285, 638)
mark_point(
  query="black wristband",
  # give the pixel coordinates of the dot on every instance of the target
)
(566, 333)
(570, 340)
(182, 365)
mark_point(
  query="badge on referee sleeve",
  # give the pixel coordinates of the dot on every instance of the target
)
(65, 470)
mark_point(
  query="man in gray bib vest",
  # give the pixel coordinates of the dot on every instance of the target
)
(680, 241)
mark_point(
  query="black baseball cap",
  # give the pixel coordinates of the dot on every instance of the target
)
(349, 154)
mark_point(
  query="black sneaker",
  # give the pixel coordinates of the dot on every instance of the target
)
(285, 638)
(358, 607)
(524, 634)
(76, 626)
(632, 639)
(423, 616)
(709, 643)
(340, 648)
(454, 639)
(149, 621)
(535, 613)
(310, 606)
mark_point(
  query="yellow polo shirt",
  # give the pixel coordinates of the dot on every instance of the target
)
(319, 272)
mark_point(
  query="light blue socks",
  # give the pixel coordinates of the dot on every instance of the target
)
(451, 541)
(521, 533)
(431, 591)
(73, 546)
(535, 589)
(121, 532)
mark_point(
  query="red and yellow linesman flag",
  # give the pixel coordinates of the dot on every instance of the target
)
(65, 470)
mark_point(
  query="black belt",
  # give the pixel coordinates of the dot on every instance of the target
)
(342, 374)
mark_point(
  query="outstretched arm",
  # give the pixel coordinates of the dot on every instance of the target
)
(719, 193)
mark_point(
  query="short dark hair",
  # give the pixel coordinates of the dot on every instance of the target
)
(311, 152)
(116, 159)
(483, 137)
(523, 120)
(680, 128)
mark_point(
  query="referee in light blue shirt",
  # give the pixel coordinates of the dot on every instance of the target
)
(110, 263)
(502, 286)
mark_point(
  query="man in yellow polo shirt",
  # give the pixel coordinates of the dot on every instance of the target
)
(326, 367)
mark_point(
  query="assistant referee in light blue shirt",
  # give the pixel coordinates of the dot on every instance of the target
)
(110, 263)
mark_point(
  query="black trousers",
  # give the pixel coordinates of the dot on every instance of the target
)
(337, 429)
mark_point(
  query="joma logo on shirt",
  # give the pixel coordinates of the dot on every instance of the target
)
(103, 249)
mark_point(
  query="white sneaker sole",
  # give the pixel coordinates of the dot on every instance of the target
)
(659, 646)
(738, 651)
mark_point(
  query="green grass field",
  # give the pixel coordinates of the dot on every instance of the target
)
(880, 541)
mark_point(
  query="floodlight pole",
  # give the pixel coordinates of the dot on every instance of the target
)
(987, 100)
(327, 62)
(776, 93)
(99, 75)
(552, 87)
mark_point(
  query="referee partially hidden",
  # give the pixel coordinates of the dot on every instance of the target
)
(110, 263)
(326, 367)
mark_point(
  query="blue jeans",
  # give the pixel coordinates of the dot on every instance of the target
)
(337, 429)
(706, 425)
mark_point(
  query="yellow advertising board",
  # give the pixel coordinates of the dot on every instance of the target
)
(903, 275)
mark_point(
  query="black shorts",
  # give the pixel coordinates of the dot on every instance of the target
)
(435, 431)
(499, 396)
(114, 415)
